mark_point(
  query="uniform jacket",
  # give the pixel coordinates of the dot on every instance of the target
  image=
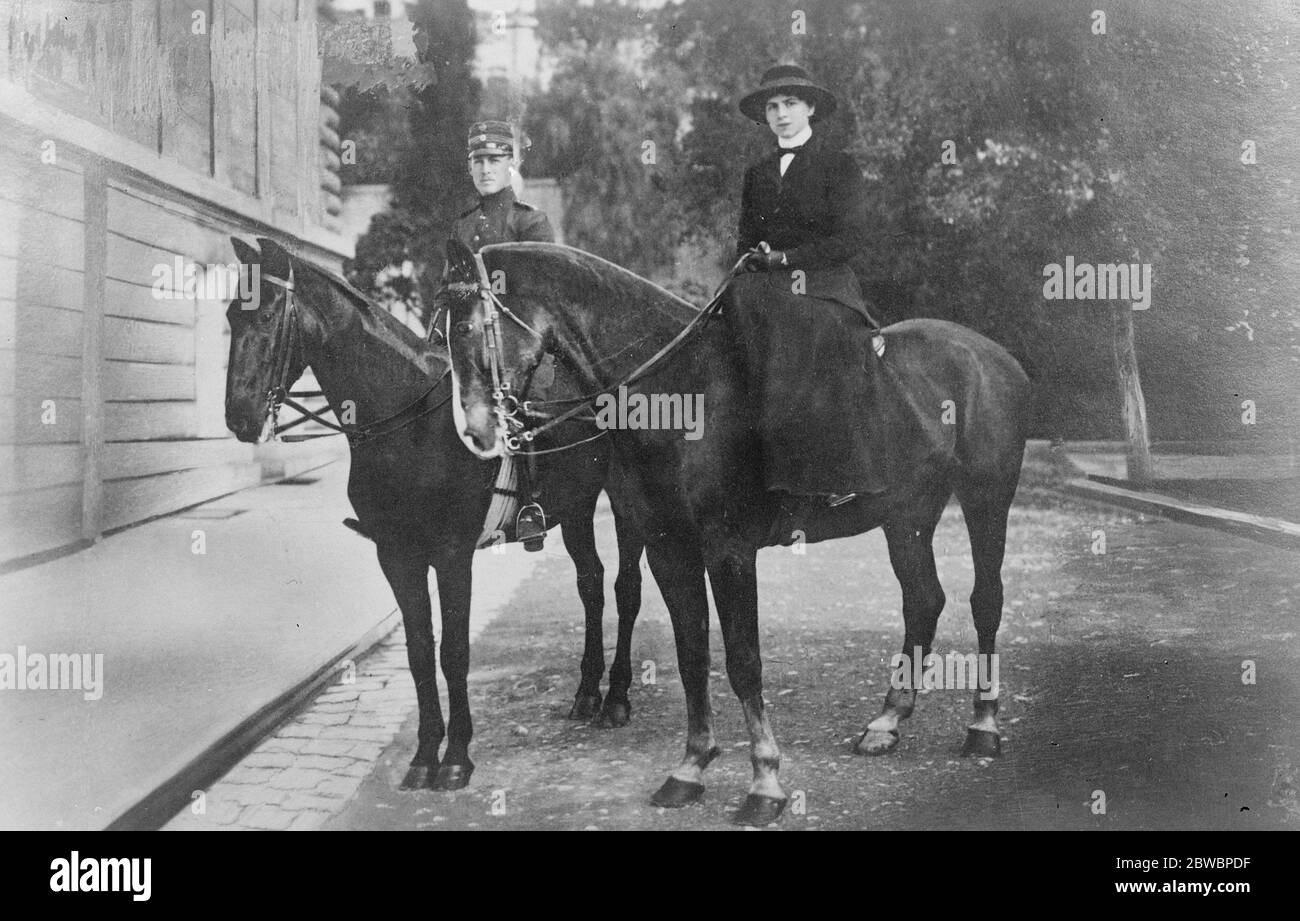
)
(501, 218)
(815, 213)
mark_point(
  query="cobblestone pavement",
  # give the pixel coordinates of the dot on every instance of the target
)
(308, 770)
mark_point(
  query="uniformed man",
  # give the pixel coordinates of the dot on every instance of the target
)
(498, 217)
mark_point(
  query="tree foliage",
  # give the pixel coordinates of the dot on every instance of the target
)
(431, 185)
(607, 131)
(997, 137)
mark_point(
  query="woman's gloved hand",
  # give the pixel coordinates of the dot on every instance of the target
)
(764, 259)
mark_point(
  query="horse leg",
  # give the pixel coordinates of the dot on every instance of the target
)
(734, 580)
(454, 580)
(911, 554)
(408, 576)
(679, 572)
(986, 522)
(627, 597)
(580, 542)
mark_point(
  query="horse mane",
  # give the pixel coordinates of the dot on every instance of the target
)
(575, 272)
(363, 303)
(354, 294)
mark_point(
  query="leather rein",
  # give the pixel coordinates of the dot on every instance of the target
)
(288, 339)
(507, 407)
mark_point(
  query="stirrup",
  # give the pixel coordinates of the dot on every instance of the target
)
(530, 527)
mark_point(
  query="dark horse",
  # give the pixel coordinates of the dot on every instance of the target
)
(417, 492)
(701, 504)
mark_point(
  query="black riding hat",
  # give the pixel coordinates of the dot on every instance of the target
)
(792, 79)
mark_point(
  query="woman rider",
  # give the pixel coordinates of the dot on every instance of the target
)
(802, 217)
(805, 198)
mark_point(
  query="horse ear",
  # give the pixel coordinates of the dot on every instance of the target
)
(275, 258)
(246, 254)
(460, 263)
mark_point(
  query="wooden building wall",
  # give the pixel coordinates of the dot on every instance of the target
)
(127, 141)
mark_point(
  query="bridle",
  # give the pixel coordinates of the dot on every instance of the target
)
(508, 408)
(288, 339)
(505, 405)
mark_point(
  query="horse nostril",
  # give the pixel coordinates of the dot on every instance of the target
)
(242, 428)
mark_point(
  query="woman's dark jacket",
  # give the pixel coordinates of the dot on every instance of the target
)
(816, 212)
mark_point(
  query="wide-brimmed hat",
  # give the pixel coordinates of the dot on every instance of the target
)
(792, 79)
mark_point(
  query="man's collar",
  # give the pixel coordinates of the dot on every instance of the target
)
(502, 199)
(803, 137)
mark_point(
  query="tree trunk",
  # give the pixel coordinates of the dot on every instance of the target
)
(1130, 393)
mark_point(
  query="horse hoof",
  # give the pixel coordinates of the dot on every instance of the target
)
(585, 706)
(614, 715)
(419, 777)
(759, 811)
(877, 742)
(981, 743)
(453, 776)
(675, 794)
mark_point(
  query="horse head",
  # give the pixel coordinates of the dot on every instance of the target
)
(494, 348)
(266, 356)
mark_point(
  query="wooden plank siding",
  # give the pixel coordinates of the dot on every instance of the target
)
(92, 360)
(140, 142)
(234, 44)
(187, 134)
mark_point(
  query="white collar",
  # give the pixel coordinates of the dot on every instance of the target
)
(799, 139)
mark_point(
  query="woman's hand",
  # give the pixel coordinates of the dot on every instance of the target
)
(764, 259)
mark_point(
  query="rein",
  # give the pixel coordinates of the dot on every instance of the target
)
(508, 406)
(288, 338)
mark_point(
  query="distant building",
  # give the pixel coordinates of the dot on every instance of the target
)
(508, 56)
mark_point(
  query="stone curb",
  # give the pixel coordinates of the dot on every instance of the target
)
(156, 809)
(1273, 531)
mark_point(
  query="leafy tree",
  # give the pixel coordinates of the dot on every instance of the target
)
(376, 121)
(1062, 141)
(607, 132)
(431, 184)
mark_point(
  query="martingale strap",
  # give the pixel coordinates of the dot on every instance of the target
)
(504, 506)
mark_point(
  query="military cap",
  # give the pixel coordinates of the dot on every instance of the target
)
(491, 137)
